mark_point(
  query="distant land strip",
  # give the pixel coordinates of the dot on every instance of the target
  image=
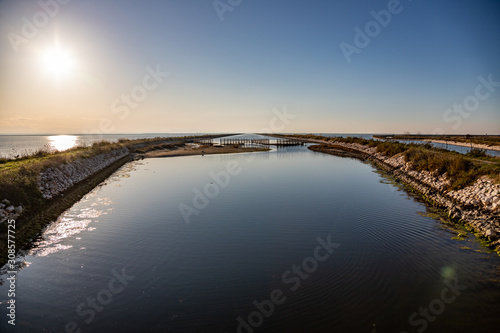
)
(491, 142)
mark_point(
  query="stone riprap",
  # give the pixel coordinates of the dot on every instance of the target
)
(9, 211)
(55, 180)
(477, 205)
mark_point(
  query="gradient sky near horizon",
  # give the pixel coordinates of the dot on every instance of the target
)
(67, 72)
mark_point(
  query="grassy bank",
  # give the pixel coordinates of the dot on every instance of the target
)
(462, 170)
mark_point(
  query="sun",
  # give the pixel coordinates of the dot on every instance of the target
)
(58, 62)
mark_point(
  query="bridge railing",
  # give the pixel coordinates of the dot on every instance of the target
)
(242, 142)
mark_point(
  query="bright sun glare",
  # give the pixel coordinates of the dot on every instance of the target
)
(62, 142)
(57, 62)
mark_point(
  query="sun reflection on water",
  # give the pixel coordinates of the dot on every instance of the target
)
(60, 234)
(67, 225)
(76, 220)
(63, 142)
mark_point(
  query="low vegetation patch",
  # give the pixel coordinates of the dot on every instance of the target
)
(477, 153)
(390, 148)
(460, 169)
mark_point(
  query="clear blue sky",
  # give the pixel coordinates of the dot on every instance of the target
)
(229, 75)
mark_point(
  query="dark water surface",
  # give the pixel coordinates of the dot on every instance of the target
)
(124, 259)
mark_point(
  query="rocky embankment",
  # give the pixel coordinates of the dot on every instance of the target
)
(9, 211)
(61, 185)
(55, 180)
(477, 206)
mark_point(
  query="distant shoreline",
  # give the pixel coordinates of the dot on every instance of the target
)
(464, 144)
(488, 142)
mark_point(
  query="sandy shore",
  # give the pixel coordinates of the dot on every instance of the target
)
(464, 144)
(188, 151)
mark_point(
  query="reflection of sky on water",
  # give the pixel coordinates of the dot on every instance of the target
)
(65, 226)
(81, 217)
(75, 220)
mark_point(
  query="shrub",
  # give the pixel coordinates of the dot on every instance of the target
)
(476, 152)
(391, 148)
(459, 170)
(459, 165)
(464, 179)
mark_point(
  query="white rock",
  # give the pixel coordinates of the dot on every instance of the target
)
(490, 233)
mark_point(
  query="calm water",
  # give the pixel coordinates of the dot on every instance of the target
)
(389, 258)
